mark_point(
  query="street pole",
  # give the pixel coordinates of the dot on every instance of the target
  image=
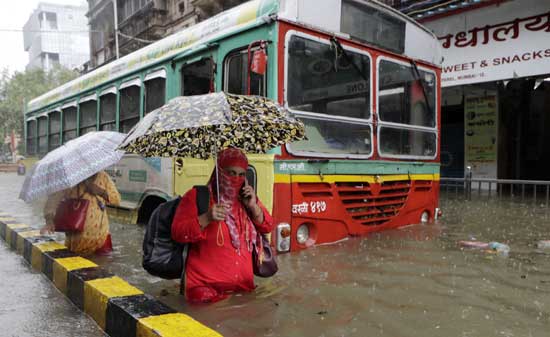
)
(116, 26)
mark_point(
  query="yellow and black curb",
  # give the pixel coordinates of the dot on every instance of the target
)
(120, 309)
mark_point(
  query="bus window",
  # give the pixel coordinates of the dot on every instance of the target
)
(129, 104)
(401, 96)
(42, 134)
(197, 78)
(31, 136)
(317, 84)
(405, 142)
(88, 116)
(406, 111)
(236, 76)
(331, 98)
(55, 128)
(155, 90)
(69, 123)
(107, 112)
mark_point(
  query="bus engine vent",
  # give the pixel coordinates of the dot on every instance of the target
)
(376, 204)
(310, 190)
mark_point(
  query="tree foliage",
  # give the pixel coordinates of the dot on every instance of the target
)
(19, 88)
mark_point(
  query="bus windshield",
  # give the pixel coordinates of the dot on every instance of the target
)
(326, 90)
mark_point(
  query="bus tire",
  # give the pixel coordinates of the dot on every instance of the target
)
(147, 207)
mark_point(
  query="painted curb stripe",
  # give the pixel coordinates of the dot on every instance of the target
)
(29, 243)
(11, 233)
(118, 308)
(172, 325)
(98, 292)
(123, 313)
(62, 266)
(76, 280)
(49, 258)
(20, 240)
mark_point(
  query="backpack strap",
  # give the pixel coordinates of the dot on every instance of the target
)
(203, 198)
(203, 203)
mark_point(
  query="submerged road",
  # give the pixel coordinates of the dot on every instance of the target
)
(30, 305)
(416, 281)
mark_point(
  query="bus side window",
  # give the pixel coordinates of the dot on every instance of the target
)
(88, 116)
(69, 123)
(197, 78)
(155, 90)
(31, 136)
(236, 76)
(55, 127)
(107, 112)
(42, 135)
(129, 106)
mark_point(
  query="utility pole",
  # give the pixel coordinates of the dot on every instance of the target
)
(115, 13)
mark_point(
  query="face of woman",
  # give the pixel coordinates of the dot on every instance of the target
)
(235, 171)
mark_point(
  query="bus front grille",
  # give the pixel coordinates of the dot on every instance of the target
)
(373, 204)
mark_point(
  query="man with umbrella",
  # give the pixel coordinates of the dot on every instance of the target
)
(221, 240)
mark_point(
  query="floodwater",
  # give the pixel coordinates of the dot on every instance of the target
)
(30, 305)
(415, 281)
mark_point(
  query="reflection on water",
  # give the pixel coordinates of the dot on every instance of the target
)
(412, 281)
(415, 281)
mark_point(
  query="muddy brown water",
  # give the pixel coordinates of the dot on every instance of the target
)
(415, 281)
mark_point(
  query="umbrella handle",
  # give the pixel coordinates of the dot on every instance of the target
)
(217, 179)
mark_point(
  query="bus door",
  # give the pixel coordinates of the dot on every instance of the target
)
(197, 76)
(245, 72)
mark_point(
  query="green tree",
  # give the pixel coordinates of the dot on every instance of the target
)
(18, 88)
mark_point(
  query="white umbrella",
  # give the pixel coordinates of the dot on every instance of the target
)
(72, 163)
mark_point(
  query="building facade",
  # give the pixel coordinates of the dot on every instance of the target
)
(495, 85)
(57, 35)
(141, 22)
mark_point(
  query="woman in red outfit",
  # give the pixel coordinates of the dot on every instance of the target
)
(221, 240)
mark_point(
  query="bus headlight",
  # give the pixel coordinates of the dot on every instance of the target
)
(283, 237)
(424, 217)
(302, 234)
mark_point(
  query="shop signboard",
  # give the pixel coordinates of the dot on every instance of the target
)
(499, 42)
(481, 132)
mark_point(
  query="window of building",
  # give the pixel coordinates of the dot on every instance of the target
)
(43, 134)
(236, 71)
(48, 21)
(155, 90)
(107, 110)
(129, 104)
(31, 136)
(197, 78)
(69, 123)
(88, 116)
(55, 129)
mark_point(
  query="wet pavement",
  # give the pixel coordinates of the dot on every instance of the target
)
(30, 305)
(415, 281)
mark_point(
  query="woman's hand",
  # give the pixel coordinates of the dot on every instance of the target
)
(48, 228)
(96, 190)
(248, 197)
(216, 213)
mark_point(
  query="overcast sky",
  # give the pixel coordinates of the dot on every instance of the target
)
(13, 15)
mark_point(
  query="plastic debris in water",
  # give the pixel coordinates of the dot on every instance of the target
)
(499, 247)
(543, 244)
(474, 244)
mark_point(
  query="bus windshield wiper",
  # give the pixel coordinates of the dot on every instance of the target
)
(334, 41)
(416, 76)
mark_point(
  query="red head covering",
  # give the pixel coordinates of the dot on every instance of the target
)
(232, 157)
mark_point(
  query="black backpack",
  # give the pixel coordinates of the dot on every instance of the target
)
(162, 256)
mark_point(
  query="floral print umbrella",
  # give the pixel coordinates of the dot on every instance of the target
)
(200, 126)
